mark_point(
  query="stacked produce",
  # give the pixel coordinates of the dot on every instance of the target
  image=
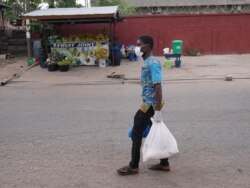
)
(84, 38)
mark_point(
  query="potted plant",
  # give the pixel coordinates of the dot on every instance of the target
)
(52, 65)
(64, 64)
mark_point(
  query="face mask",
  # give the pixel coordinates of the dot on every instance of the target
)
(138, 51)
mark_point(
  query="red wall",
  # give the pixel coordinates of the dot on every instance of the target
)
(211, 34)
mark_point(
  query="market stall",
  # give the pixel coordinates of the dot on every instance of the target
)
(81, 50)
(84, 49)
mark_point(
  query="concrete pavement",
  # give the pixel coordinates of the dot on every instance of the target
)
(58, 132)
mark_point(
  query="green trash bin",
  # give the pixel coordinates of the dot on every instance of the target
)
(177, 46)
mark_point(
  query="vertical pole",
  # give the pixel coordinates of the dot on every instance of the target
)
(114, 37)
(28, 38)
(113, 42)
(2, 18)
(110, 30)
(27, 9)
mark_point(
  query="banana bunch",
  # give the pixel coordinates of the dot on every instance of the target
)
(65, 39)
(102, 37)
(77, 39)
(88, 37)
(100, 51)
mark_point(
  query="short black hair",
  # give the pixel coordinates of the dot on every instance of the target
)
(146, 39)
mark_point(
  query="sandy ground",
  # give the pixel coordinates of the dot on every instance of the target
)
(202, 67)
(9, 67)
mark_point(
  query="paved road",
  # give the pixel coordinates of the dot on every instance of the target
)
(73, 135)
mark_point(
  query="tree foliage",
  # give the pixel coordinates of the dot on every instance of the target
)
(67, 3)
(61, 3)
(18, 6)
(125, 7)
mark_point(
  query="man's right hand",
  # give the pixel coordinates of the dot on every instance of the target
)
(157, 116)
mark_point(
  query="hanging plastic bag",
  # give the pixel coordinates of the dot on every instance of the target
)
(160, 143)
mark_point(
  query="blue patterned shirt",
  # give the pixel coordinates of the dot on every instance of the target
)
(151, 74)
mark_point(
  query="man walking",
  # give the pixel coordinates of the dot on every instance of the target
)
(151, 78)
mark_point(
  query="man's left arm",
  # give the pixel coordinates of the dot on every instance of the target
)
(158, 96)
(156, 74)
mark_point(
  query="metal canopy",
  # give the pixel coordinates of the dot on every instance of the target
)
(107, 14)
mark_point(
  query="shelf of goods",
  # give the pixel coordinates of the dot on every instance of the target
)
(83, 53)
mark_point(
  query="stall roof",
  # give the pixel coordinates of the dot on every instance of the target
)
(107, 13)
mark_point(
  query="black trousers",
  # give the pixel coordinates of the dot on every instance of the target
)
(141, 120)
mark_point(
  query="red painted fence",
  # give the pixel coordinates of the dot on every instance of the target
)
(210, 34)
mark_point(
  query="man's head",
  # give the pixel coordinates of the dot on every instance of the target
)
(144, 46)
(146, 40)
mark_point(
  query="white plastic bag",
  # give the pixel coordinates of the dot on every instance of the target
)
(160, 143)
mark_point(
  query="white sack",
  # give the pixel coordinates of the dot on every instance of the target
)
(160, 143)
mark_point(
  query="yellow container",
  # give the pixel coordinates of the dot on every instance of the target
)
(168, 64)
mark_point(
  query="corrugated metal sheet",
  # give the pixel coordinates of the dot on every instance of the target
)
(55, 12)
(169, 3)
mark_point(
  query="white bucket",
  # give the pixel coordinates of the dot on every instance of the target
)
(102, 63)
(166, 50)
